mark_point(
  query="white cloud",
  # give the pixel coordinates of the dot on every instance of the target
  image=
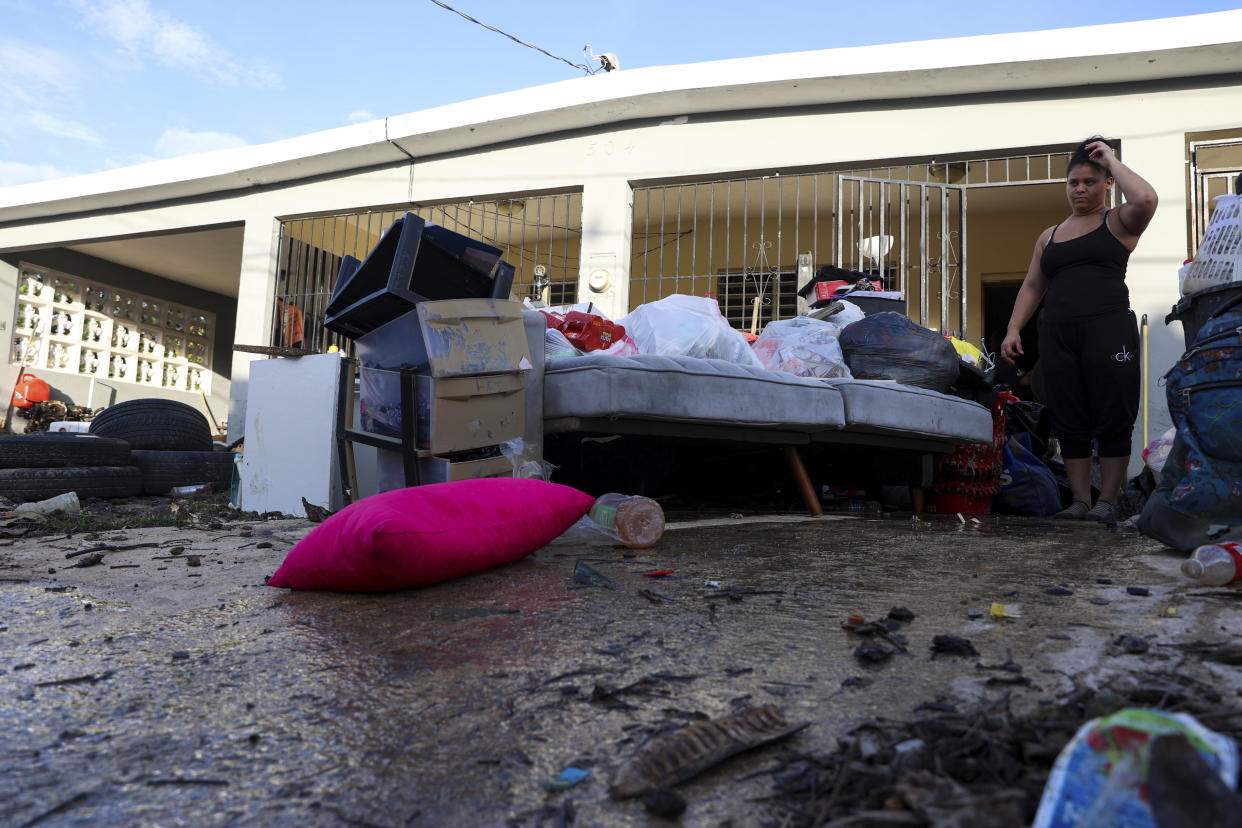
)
(175, 142)
(29, 75)
(141, 30)
(62, 128)
(360, 115)
(13, 173)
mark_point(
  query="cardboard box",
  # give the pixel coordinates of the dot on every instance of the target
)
(463, 413)
(390, 472)
(452, 338)
(450, 414)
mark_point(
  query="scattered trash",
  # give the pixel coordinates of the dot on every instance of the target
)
(1221, 652)
(191, 491)
(975, 613)
(568, 778)
(315, 514)
(1101, 776)
(637, 521)
(456, 614)
(901, 614)
(1140, 591)
(665, 804)
(1215, 564)
(683, 754)
(588, 576)
(853, 622)
(67, 502)
(873, 653)
(1133, 644)
(737, 593)
(952, 645)
(1005, 611)
(658, 573)
(93, 559)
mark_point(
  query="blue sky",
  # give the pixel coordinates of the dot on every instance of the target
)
(89, 85)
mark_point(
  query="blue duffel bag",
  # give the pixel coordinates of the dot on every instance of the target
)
(1199, 499)
(1028, 487)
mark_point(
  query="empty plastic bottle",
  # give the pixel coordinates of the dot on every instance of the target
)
(638, 521)
(1215, 564)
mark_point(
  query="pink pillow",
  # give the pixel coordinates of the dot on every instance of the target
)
(426, 534)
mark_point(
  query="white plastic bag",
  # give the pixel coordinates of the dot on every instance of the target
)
(848, 315)
(803, 346)
(1157, 451)
(557, 346)
(681, 325)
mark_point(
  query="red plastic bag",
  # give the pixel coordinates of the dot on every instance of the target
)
(589, 332)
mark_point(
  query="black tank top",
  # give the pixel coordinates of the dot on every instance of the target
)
(1086, 275)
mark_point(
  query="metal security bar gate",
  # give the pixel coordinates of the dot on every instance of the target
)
(912, 235)
(539, 235)
(751, 241)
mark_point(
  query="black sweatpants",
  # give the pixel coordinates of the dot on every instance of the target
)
(1091, 376)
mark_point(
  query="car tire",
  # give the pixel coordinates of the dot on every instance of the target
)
(163, 470)
(155, 425)
(87, 481)
(44, 450)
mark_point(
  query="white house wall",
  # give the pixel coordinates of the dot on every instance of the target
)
(602, 162)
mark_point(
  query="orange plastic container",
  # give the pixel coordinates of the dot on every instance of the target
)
(30, 389)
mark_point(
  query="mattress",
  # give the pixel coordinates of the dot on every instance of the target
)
(687, 390)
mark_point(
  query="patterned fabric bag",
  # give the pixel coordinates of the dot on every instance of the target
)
(1199, 499)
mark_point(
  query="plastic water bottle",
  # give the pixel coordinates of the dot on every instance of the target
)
(1215, 564)
(638, 521)
(67, 502)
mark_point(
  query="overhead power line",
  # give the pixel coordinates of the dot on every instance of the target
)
(578, 66)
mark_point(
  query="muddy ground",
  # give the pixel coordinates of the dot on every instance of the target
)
(167, 685)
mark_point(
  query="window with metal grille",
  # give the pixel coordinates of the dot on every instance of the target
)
(531, 231)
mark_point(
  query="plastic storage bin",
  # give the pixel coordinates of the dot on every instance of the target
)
(1219, 258)
(413, 262)
(1194, 309)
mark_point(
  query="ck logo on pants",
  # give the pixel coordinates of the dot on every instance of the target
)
(1123, 355)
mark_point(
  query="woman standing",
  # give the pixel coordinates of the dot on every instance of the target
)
(1088, 336)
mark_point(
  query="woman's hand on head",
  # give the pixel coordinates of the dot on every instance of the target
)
(1102, 154)
(1012, 346)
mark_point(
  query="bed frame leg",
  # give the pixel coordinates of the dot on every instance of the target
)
(803, 481)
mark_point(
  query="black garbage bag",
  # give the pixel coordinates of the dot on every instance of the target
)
(890, 346)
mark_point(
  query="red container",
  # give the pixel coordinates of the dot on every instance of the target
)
(30, 389)
(953, 504)
(826, 290)
(554, 319)
(588, 332)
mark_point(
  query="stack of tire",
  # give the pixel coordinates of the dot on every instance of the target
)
(146, 446)
(42, 465)
(170, 444)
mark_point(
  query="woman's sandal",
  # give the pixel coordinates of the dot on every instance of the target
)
(1075, 511)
